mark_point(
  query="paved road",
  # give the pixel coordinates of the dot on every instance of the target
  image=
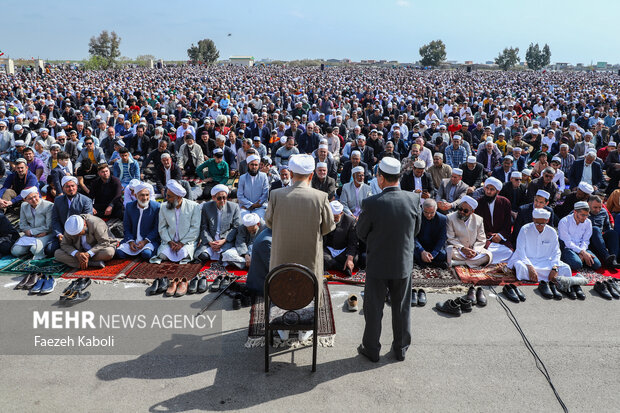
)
(475, 363)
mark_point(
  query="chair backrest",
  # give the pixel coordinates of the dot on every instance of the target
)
(291, 286)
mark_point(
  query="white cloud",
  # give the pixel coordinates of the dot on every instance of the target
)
(402, 3)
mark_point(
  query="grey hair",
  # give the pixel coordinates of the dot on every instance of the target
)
(429, 203)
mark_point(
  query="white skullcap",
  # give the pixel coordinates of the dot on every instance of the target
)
(585, 187)
(283, 140)
(438, 155)
(581, 205)
(516, 174)
(509, 157)
(301, 164)
(252, 158)
(176, 188)
(517, 149)
(471, 159)
(219, 188)
(74, 225)
(457, 171)
(20, 142)
(495, 182)
(612, 143)
(541, 213)
(322, 146)
(25, 192)
(251, 219)
(390, 165)
(419, 164)
(18, 127)
(323, 165)
(527, 172)
(470, 201)
(543, 193)
(165, 155)
(456, 138)
(535, 131)
(591, 152)
(218, 151)
(358, 153)
(66, 179)
(337, 207)
(133, 183)
(357, 169)
(184, 120)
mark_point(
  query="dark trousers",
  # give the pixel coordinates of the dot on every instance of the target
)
(604, 244)
(117, 210)
(51, 246)
(334, 263)
(439, 259)
(374, 300)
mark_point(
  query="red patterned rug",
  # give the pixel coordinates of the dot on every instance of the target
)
(213, 269)
(600, 275)
(148, 271)
(115, 268)
(497, 274)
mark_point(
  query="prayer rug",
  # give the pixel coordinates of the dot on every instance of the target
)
(7, 261)
(48, 266)
(115, 268)
(326, 330)
(148, 271)
(339, 277)
(213, 269)
(600, 275)
(430, 277)
(497, 274)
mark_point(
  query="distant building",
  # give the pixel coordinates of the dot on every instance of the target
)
(241, 60)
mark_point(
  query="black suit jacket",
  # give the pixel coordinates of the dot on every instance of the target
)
(517, 197)
(472, 177)
(576, 171)
(343, 236)
(345, 174)
(407, 183)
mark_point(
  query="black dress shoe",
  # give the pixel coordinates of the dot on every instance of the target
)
(481, 298)
(236, 302)
(82, 284)
(246, 300)
(466, 305)
(545, 291)
(611, 290)
(471, 295)
(152, 290)
(202, 285)
(510, 294)
(554, 291)
(580, 294)
(571, 294)
(450, 307)
(24, 281)
(215, 285)
(164, 283)
(225, 282)
(517, 291)
(398, 355)
(192, 287)
(421, 298)
(362, 350)
(613, 283)
(602, 290)
(76, 297)
(414, 298)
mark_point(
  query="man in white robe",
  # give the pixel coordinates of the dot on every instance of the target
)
(466, 236)
(140, 224)
(35, 221)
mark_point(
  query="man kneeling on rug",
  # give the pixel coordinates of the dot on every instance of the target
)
(140, 225)
(87, 242)
(240, 254)
(466, 236)
(219, 224)
(340, 246)
(35, 220)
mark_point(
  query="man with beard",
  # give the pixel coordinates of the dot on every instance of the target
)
(545, 182)
(524, 215)
(87, 242)
(582, 193)
(284, 181)
(496, 214)
(340, 247)
(179, 226)
(439, 170)
(219, 224)
(140, 224)
(322, 182)
(240, 254)
(15, 183)
(466, 236)
(253, 191)
(353, 193)
(35, 221)
(515, 192)
(473, 173)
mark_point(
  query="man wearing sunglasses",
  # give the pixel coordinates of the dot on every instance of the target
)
(90, 151)
(466, 236)
(220, 222)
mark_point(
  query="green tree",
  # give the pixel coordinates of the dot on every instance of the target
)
(508, 58)
(95, 63)
(433, 53)
(536, 58)
(105, 46)
(144, 59)
(204, 52)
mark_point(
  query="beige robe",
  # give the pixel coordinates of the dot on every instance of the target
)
(469, 234)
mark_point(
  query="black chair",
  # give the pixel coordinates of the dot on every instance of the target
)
(291, 287)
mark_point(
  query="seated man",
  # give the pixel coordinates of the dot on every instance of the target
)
(323, 182)
(450, 192)
(216, 172)
(418, 181)
(340, 247)
(219, 224)
(106, 193)
(240, 255)
(473, 173)
(354, 192)
(20, 179)
(503, 172)
(253, 191)
(60, 171)
(604, 241)
(496, 214)
(164, 172)
(35, 221)
(575, 231)
(524, 216)
(586, 170)
(179, 226)
(126, 168)
(140, 225)
(430, 248)
(466, 236)
(544, 182)
(582, 193)
(8, 235)
(515, 192)
(87, 242)
(284, 181)
(538, 255)
(259, 263)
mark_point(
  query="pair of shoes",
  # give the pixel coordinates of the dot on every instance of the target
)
(465, 304)
(450, 307)
(44, 285)
(578, 292)
(477, 297)
(220, 283)
(159, 286)
(177, 287)
(28, 281)
(548, 290)
(513, 293)
(613, 286)
(75, 297)
(362, 351)
(352, 302)
(418, 298)
(197, 285)
(606, 289)
(76, 286)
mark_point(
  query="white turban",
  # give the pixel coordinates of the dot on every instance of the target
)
(581, 205)
(583, 186)
(176, 188)
(141, 186)
(337, 207)
(133, 183)
(322, 165)
(74, 225)
(470, 201)
(301, 164)
(251, 219)
(471, 159)
(283, 140)
(252, 158)
(457, 171)
(25, 192)
(541, 213)
(357, 169)
(495, 182)
(66, 179)
(219, 188)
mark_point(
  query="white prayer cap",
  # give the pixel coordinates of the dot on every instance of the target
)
(527, 172)
(456, 138)
(541, 213)
(612, 143)
(457, 171)
(581, 205)
(556, 159)
(358, 153)
(438, 155)
(337, 207)
(218, 151)
(470, 201)
(591, 152)
(251, 219)
(322, 146)
(543, 193)
(585, 187)
(495, 182)
(18, 127)
(471, 159)
(517, 149)
(25, 192)
(361, 137)
(252, 158)
(283, 140)
(176, 188)
(589, 133)
(564, 145)
(133, 183)
(509, 157)
(141, 186)
(535, 131)
(419, 164)
(390, 165)
(324, 165)
(516, 174)
(219, 188)
(357, 169)
(184, 120)
(74, 225)
(66, 179)
(20, 142)
(302, 164)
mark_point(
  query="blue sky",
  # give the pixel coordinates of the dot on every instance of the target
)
(576, 31)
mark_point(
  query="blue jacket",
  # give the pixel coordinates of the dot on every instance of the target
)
(80, 205)
(148, 226)
(12, 183)
(432, 236)
(134, 171)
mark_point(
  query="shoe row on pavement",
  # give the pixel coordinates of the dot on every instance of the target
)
(37, 283)
(418, 297)
(74, 293)
(608, 289)
(475, 296)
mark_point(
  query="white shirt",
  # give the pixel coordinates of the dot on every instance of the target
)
(541, 250)
(575, 236)
(587, 173)
(138, 234)
(167, 172)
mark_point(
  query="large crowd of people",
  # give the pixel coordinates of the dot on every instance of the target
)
(514, 167)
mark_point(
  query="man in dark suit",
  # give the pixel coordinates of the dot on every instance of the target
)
(356, 160)
(309, 140)
(418, 181)
(140, 144)
(71, 203)
(503, 172)
(322, 182)
(165, 171)
(142, 240)
(60, 171)
(524, 216)
(284, 181)
(473, 173)
(218, 231)
(579, 168)
(389, 218)
(8, 235)
(495, 212)
(515, 192)
(340, 246)
(430, 244)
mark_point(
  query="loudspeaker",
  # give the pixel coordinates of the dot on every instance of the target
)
(468, 69)
(322, 67)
